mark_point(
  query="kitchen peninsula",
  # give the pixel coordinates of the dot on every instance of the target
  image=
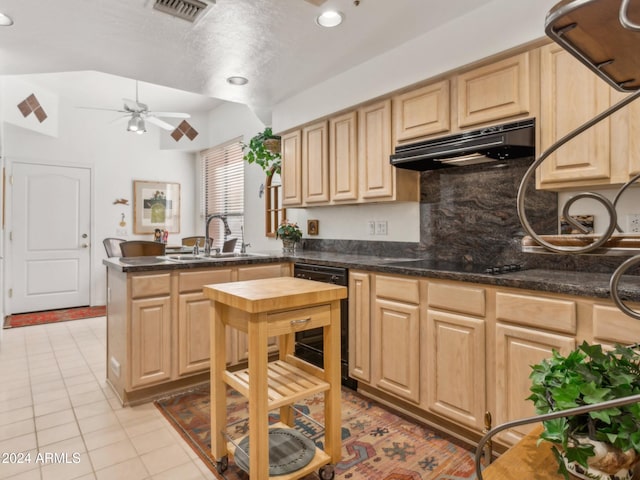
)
(484, 329)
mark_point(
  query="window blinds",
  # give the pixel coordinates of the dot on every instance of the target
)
(223, 189)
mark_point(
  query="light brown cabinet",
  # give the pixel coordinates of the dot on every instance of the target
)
(396, 336)
(343, 157)
(455, 338)
(498, 91)
(315, 163)
(158, 327)
(291, 170)
(528, 328)
(360, 325)
(422, 112)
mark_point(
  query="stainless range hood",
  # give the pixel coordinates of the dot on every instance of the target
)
(488, 145)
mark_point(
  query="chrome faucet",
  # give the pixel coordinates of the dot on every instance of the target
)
(227, 230)
(243, 246)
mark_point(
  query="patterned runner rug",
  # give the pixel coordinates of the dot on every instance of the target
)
(51, 316)
(376, 444)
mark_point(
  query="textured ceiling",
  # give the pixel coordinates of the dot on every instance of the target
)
(274, 43)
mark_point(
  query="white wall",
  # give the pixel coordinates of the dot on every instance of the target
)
(116, 156)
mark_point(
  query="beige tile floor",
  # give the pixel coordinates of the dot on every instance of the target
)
(54, 400)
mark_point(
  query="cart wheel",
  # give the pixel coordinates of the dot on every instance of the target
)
(327, 472)
(222, 464)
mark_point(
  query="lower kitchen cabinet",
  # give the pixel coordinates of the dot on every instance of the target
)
(158, 327)
(528, 328)
(150, 340)
(396, 337)
(455, 380)
(360, 326)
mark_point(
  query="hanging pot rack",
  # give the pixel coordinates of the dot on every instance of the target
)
(605, 36)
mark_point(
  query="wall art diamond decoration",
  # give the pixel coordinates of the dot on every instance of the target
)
(184, 129)
(31, 105)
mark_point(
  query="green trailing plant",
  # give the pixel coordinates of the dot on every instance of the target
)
(264, 150)
(289, 231)
(587, 376)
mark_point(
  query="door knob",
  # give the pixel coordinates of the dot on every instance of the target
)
(84, 235)
(85, 245)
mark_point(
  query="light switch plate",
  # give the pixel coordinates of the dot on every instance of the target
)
(381, 227)
(633, 222)
(372, 227)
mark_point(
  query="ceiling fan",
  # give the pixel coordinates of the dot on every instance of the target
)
(138, 112)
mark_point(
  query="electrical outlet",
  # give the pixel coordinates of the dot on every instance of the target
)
(381, 227)
(633, 222)
(122, 232)
(372, 227)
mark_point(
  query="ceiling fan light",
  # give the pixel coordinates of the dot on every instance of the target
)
(330, 18)
(132, 126)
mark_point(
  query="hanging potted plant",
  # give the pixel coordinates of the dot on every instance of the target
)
(264, 150)
(600, 445)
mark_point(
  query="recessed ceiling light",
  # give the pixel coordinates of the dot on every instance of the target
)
(237, 80)
(330, 18)
(5, 20)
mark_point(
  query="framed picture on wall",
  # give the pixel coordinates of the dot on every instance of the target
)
(156, 205)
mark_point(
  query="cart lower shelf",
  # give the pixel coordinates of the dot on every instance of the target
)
(319, 460)
(287, 384)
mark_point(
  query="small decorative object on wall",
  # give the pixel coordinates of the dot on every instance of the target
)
(184, 129)
(313, 227)
(31, 105)
(121, 201)
(156, 206)
(585, 220)
(122, 221)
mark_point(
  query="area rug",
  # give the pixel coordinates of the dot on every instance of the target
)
(52, 316)
(376, 444)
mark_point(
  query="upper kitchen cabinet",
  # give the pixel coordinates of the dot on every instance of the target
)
(292, 168)
(501, 90)
(571, 95)
(343, 157)
(607, 153)
(379, 181)
(315, 163)
(422, 112)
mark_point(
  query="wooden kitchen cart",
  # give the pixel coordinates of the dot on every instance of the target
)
(262, 309)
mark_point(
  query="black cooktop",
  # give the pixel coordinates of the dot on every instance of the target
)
(459, 267)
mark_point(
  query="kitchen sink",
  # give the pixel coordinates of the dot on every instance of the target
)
(208, 258)
(184, 258)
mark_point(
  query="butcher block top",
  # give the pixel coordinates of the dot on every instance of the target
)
(271, 294)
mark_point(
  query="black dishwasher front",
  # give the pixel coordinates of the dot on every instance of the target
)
(309, 343)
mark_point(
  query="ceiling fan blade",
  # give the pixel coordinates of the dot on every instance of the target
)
(169, 114)
(317, 3)
(134, 106)
(104, 109)
(120, 119)
(159, 123)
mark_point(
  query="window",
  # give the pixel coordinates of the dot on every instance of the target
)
(223, 190)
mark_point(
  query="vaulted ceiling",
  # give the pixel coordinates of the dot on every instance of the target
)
(276, 44)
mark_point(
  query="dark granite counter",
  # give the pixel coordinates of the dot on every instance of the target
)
(579, 283)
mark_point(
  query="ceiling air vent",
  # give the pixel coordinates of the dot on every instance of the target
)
(186, 9)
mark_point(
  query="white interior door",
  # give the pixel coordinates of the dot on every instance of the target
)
(51, 254)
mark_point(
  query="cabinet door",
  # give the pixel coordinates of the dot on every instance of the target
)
(396, 353)
(150, 341)
(193, 333)
(495, 92)
(455, 347)
(422, 112)
(518, 348)
(625, 142)
(571, 95)
(377, 176)
(315, 163)
(343, 157)
(291, 171)
(360, 326)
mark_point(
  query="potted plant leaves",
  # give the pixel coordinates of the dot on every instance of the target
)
(600, 445)
(264, 150)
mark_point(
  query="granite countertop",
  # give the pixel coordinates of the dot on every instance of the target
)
(554, 281)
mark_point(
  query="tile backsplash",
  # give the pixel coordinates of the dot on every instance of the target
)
(470, 213)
